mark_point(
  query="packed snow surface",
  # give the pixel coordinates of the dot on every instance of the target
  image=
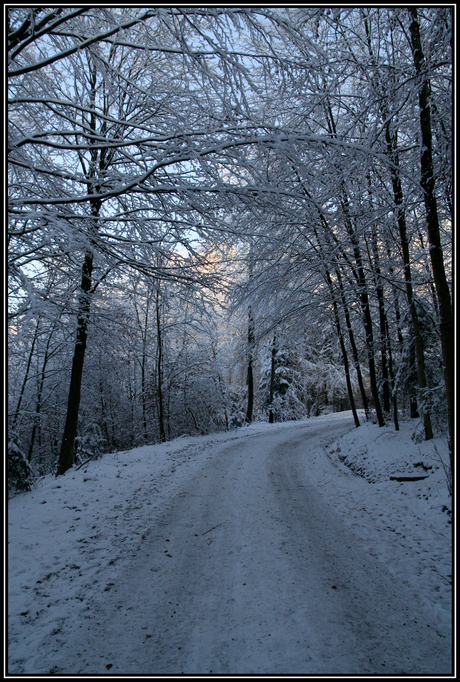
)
(271, 549)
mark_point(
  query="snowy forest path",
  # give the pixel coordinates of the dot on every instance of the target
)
(250, 570)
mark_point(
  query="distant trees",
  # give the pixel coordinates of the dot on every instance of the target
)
(142, 139)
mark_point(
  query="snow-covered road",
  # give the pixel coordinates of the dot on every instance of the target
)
(250, 567)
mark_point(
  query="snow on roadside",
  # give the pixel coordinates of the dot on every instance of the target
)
(405, 524)
(69, 536)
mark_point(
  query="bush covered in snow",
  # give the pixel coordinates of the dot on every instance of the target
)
(20, 475)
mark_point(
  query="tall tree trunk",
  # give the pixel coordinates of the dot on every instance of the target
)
(39, 395)
(143, 371)
(66, 456)
(104, 416)
(26, 377)
(272, 380)
(434, 237)
(161, 418)
(383, 320)
(250, 375)
(363, 296)
(342, 348)
(392, 377)
(354, 350)
(401, 220)
(413, 402)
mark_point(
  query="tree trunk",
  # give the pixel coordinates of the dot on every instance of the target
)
(401, 220)
(392, 377)
(365, 310)
(383, 320)
(39, 396)
(161, 419)
(26, 377)
(272, 381)
(66, 456)
(143, 372)
(250, 376)
(343, 349)
(354, 350)
(436, 255)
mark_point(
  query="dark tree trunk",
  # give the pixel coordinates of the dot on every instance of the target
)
(354, 350)
(383, 322)
(363, 296)
(26, 377)
(161, 419)
(250, 393)
(384, 353)
(392, 377)
(436, 255)
(343, 349)
(272, 381)
(367, 323)
(144, 408)
(39, 396)
(66, 456)
(104, 417)
(401, 220)
(250, 376)
(143, 372)
(412, 370)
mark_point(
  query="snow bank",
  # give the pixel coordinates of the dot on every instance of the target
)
(406, 524)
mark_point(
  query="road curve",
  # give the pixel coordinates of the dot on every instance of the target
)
(250, 570)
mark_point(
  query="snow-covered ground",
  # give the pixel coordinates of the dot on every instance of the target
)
(73, 538)
(407, 525)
